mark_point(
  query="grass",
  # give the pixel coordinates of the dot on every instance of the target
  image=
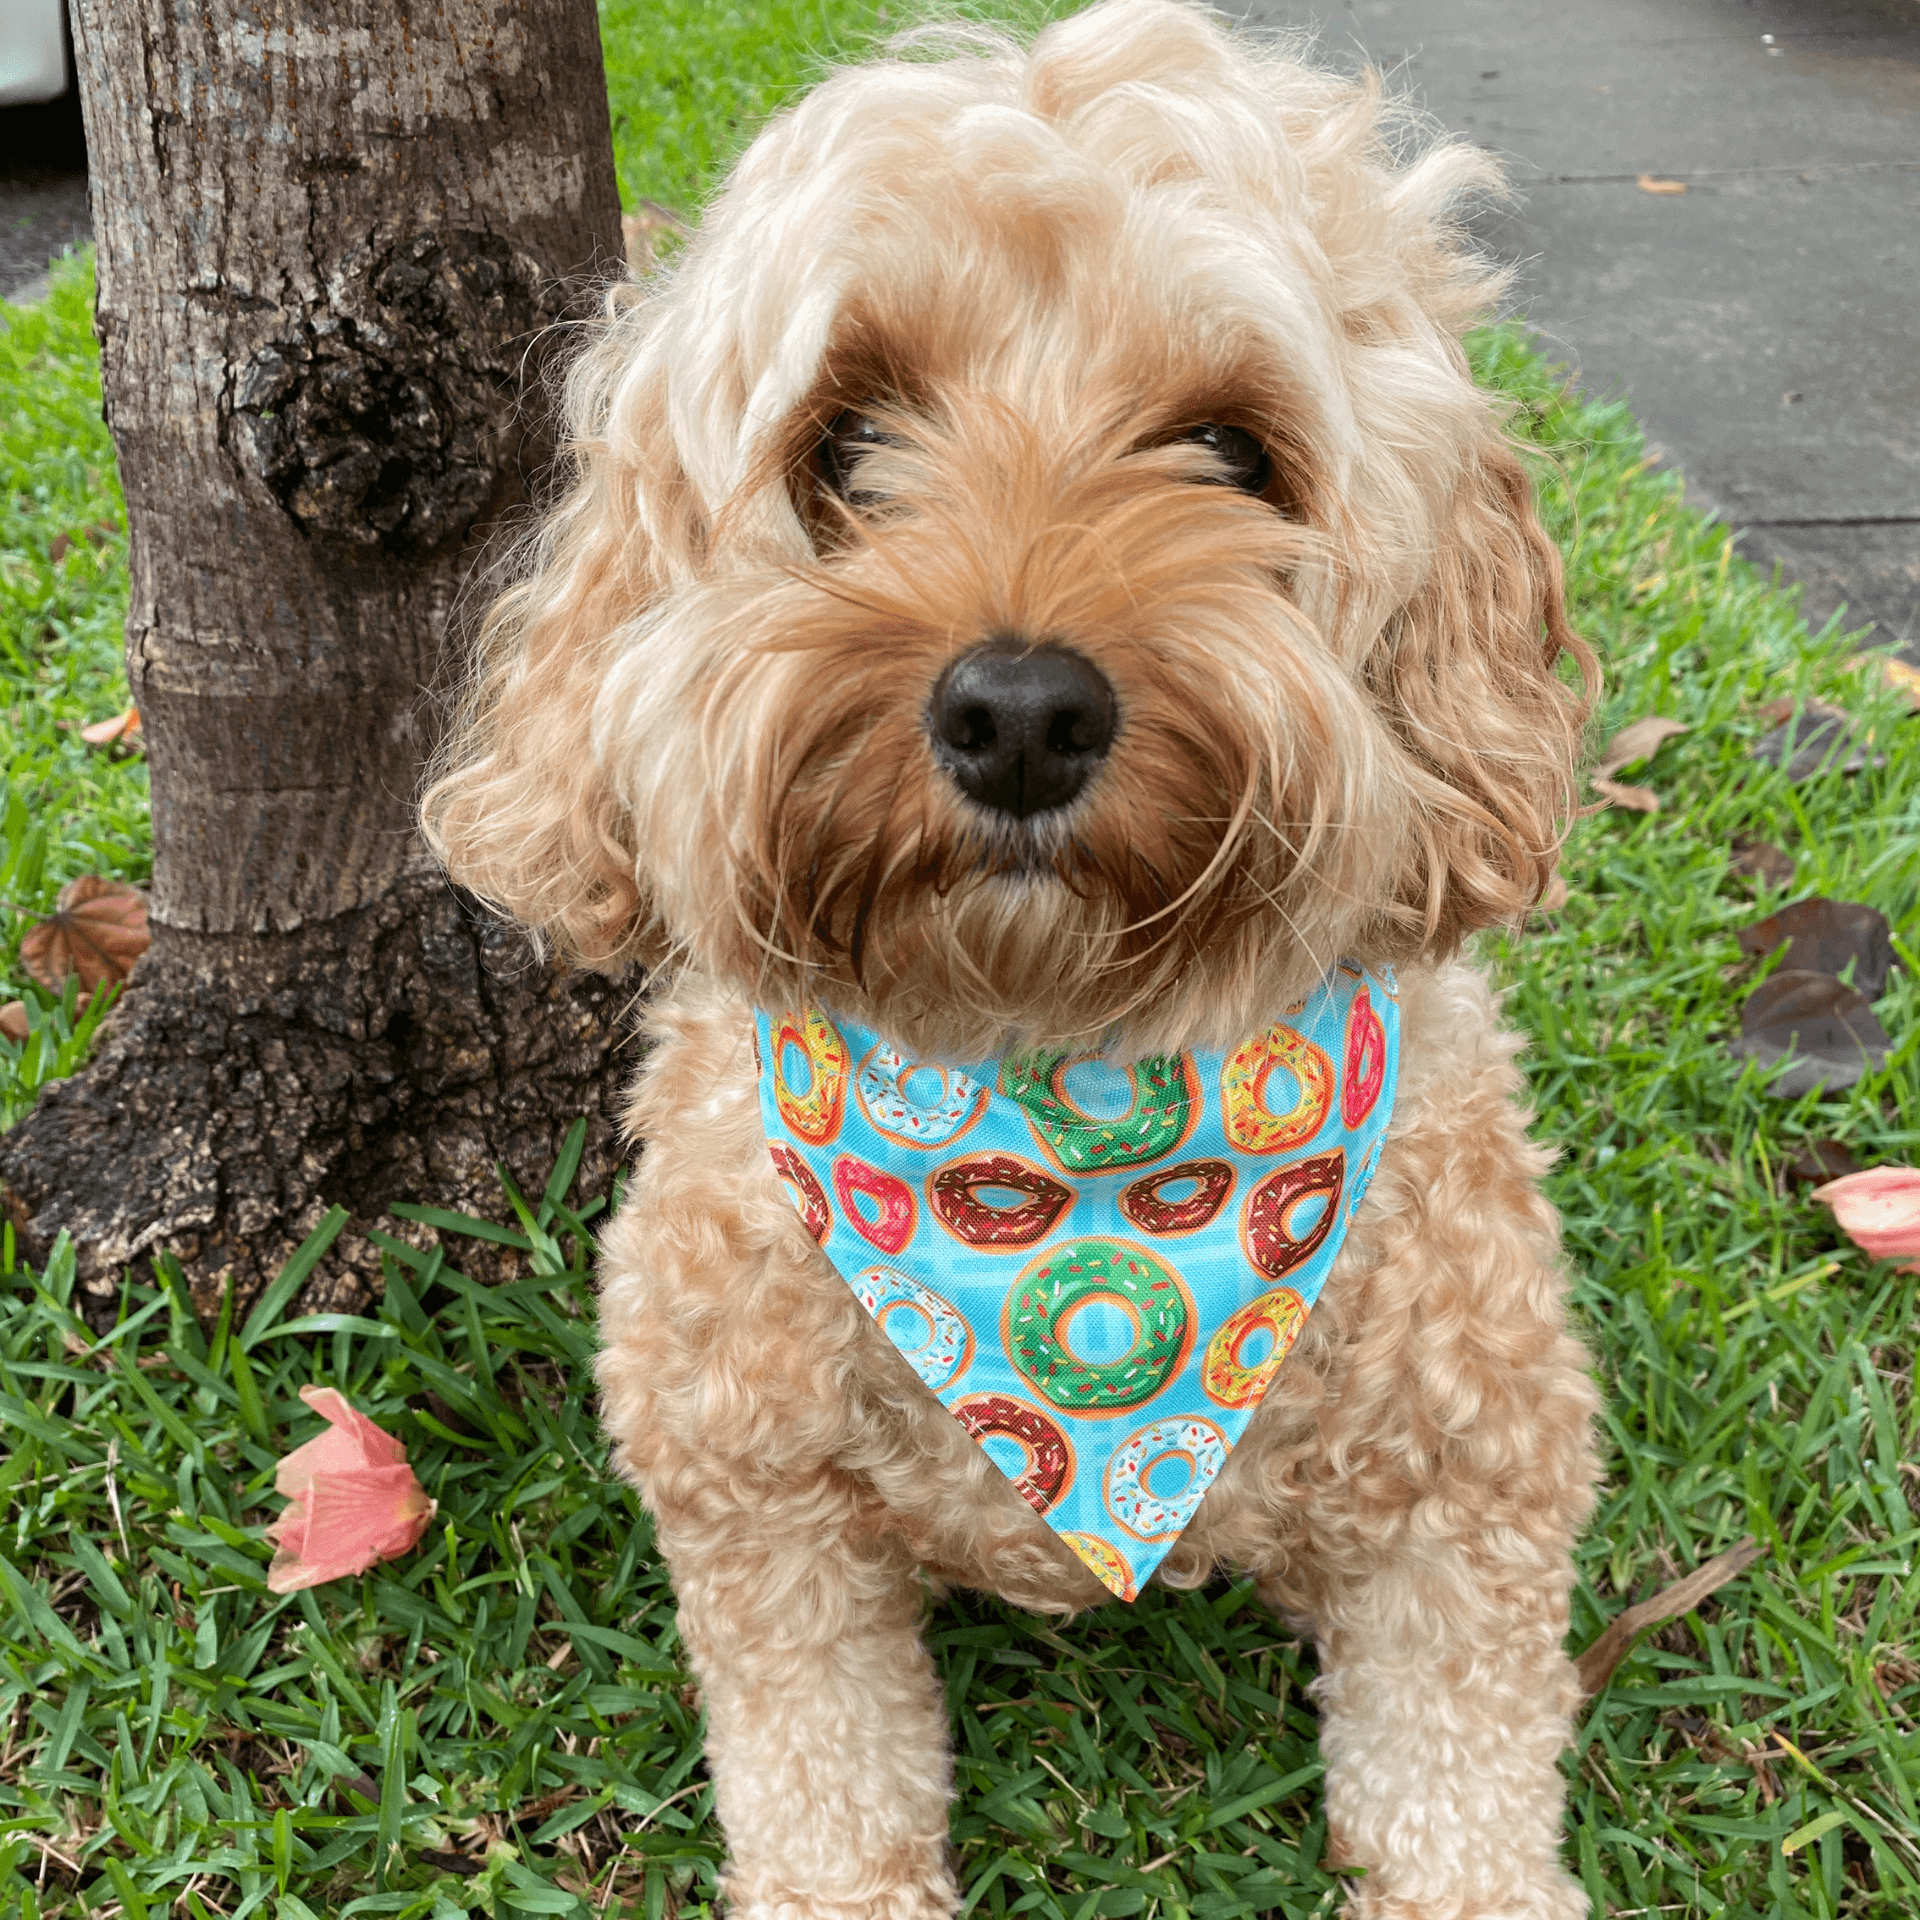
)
(501, 1723)
(65, 808)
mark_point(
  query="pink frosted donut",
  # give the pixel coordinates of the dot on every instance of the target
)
(1366, 1070)
(892, 1224)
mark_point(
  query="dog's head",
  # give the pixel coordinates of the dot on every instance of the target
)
(1038, 567)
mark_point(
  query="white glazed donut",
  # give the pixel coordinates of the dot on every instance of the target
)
(880, 1082)
(947, 1347)
(1148, 1516)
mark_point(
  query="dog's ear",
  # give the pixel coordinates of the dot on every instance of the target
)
(1488, 689)
(519, 809)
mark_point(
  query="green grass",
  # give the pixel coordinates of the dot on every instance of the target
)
(65, 808)
(174, 1740)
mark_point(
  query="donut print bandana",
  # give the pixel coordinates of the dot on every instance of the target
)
(1097, 1270)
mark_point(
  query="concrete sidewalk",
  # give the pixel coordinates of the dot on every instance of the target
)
(1765, 323)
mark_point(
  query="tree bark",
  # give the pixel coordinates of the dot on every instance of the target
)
(335, 238)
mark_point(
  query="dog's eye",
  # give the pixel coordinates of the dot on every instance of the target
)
(1242, 460)
(847, 441)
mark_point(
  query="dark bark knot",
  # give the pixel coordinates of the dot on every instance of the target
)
(390, 418)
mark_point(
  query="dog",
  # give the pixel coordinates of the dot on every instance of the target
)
(1038, 584)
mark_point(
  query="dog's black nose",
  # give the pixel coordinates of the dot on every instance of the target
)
(1020, 728)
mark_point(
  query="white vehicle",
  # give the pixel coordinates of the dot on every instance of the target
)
(33, 51)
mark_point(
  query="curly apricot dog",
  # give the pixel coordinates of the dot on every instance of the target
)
(1040, 592)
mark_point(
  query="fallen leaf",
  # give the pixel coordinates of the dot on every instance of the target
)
(1819, 739)
(1826, 936)
(103, 732)
(63, 544)
(449, 1862)
(1813, 1034)
(1900, 678)
(1820, 1161)
(1879, 1211)
(1596, 1665)
(98, 930)
(1760, 861)
(1648, 184)
(13, 1022)
(1555, 895)
(355, 1500)
(1775, 710)
(1636, 742)
(1639, 799)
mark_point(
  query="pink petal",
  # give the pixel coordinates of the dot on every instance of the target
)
(348, 1520)
(1878, 1210)
(352, 1440)
(354, 1499)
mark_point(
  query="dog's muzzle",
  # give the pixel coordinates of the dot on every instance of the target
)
(1021, 728)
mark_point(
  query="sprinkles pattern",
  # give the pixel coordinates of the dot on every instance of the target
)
(1080, 1260)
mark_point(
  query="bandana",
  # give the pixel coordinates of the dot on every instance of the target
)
(1097, 1270)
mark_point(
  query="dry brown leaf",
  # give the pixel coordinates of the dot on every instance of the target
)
(104, 732)
(1596, 1665)
(1759, 860)
(98, 930)
(13, 1022)
(1810, 1034)
(1639, 799)
(1773, 711)
(1647, 183)
(1820, 1161)
(1636, 742)
(1555, 897)
(63, 544)
(1827, 936)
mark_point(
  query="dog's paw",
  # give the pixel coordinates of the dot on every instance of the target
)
(1550, 1896)
(763, 1896)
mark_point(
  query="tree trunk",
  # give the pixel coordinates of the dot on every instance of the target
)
(334, 238)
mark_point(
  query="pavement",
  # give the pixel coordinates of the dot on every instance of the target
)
(43, 193)
(1765, 322)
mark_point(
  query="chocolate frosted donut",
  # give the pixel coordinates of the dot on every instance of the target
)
(1049, 1457)
(806, 1192)
(1141, 1202)
(1264, 1231)
(953, 1194)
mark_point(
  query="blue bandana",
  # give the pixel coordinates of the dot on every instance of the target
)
(1097, 1270)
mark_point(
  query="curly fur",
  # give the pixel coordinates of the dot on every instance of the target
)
(697, 734)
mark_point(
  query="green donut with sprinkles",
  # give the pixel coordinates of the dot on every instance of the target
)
(1041, 1304)
(1166, 1098)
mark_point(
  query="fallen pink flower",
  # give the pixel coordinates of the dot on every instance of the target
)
(1879, 1211)
(355, 1500)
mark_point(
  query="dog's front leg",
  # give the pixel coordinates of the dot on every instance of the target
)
(1445, 1700)
(826, 1727)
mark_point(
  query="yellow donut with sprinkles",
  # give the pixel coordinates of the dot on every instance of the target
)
(811, 1111)
(1104, 1561)
(1224, 1373)
(1251, 1125)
